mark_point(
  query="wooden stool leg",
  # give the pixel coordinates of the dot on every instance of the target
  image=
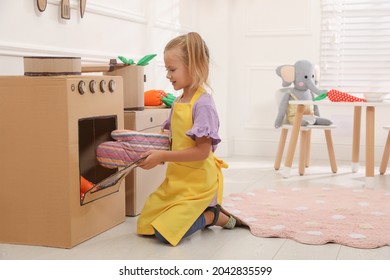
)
(370, 141)
(302, 152)
(308, 144)
(279, 152)
(293, 140)
(356, 138)
(332, 157)
(385, 157)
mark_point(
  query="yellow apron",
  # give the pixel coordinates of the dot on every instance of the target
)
(189, 187)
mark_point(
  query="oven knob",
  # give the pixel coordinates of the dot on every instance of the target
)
(103, 86)
(111, 85)
(81, 87)
(92, 86)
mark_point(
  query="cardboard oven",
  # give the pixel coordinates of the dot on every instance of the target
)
(50, 128)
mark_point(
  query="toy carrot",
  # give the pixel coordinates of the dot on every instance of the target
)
(142, 62)
(168, 100)
(145, 60)
(335, 95)
(154, 97)
(85, 185)
(125, 60)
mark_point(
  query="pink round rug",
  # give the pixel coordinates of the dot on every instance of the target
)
(353, 217)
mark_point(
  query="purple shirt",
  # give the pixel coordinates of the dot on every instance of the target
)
(205, 120)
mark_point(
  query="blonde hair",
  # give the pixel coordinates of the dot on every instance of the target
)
(194, 55)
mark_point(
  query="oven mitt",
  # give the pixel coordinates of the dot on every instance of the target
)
(335, 95)
(129, 146)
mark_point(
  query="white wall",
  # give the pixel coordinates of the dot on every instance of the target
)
(267, 33)
(251, 38)
(108, 29)
(248, 39)
(214, 23)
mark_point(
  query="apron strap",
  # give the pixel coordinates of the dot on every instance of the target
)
(220, 164)
(195, 97)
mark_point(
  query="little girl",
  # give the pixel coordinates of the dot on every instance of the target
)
(189, 199)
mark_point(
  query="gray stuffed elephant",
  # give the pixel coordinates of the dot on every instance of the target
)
(304, 75)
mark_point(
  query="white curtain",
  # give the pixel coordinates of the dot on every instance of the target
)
(355, 45)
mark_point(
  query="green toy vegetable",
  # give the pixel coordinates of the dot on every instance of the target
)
(168, 100)
(142, 62)
(145, 60)
(126, 61)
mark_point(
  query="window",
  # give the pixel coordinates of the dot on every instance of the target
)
(355, 45)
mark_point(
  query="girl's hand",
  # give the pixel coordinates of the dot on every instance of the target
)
(153, 158)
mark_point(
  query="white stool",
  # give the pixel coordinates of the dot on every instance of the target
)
(305, 140)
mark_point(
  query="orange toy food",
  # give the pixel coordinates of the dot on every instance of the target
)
(154, 97)
(335, 95)
(85, 185)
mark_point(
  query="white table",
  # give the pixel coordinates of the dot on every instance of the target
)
(370, 130)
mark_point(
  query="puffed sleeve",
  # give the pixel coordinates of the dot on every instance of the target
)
(167, 124)
(205, 120)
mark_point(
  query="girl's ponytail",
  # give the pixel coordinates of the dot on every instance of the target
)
(198, 59)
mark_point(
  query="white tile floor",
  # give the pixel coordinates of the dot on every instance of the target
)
(214, 243)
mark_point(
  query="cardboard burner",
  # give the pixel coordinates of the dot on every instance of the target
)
(50, 128)
(51, 66)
